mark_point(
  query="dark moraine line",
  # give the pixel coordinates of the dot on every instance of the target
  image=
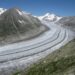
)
(33, 45)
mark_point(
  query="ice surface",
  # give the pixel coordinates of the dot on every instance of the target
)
(21, 55)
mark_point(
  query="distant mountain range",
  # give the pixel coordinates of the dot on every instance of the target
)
(49, 17)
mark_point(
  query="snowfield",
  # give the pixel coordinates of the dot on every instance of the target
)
(19, 56)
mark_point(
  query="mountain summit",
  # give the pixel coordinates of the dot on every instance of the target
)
(16, 25)
(49, 17)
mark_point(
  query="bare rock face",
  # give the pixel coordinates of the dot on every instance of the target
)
(68, 22)
(16, 25)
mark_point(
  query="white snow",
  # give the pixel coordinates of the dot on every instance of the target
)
(21, 21)
(20, 13)
(50, 16)
(2, 10)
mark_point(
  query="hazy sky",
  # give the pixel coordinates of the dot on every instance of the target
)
(40, 7)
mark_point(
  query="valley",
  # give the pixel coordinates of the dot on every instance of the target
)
(19, 26)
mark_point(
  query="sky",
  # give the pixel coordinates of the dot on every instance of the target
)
(40, 7)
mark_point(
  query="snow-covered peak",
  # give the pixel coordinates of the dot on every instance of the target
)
(15, 10)
(49, 17)
(2, 10)
(49, 14)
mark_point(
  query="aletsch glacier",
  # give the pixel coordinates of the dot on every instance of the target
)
(20, 55)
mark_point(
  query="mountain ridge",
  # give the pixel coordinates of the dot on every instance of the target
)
(16, 25)
(49, 17)
(2, 10)
(68, 22)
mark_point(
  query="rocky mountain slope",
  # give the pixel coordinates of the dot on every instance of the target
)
(68, 22)
(16, 25)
